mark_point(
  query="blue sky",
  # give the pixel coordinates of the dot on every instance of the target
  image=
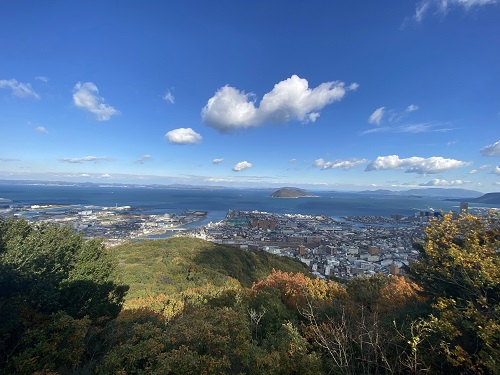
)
(333, 95)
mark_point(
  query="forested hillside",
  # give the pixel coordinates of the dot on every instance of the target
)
(183, 306)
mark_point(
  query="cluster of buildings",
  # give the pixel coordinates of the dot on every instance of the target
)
(342, 248)
(115, 225)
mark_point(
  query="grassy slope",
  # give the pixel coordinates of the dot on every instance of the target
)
(173, 265)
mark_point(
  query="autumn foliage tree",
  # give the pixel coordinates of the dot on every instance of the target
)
(459, 272)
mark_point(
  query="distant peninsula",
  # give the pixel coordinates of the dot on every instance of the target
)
(489, 198)
(291, 193)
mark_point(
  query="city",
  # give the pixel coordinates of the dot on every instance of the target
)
(339, 248)
(361, 245)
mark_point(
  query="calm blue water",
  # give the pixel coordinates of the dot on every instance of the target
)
(218, 202)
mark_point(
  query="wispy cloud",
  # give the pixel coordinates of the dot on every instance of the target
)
(241, 166)
(85, 159)
(85, 96)
(491, 150)
(143, 159)
(183, 136)
(217, 161)
(169, 97)
(438, 182)
(41, 129)
(377, 115)
(424, 7)
(415, 164)
(343, 164)
(42, 79)
(7, 160)
(219, 179)
(421, 128)
(410, 128)
(411, 108)
(231, 109)
(376, 118)
(19, 89)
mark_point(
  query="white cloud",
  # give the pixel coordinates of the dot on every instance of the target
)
(143, 159)
(411, 108)
(217, 161)
(242, 165)
(84, 159)
(42, 79)
(19, 89)
(85, 96)
(486, 166)
(292, 99)
(496, 170)
(183, 136)
(344, 164)
(491, 150)
(473, 171)
(443, 6)
(41, 129)
(376, 117)
(419, 165)
(438, 182)
(169, 97)
(353, 86)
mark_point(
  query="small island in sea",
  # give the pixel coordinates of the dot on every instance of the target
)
(291, 193)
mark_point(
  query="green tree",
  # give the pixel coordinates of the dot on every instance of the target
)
(52, 282)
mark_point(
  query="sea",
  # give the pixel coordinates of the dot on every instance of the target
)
(218, 202)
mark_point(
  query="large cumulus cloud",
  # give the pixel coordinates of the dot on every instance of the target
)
(292, 99)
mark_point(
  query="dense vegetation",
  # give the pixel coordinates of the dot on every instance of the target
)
(290, 193)
(198, 308)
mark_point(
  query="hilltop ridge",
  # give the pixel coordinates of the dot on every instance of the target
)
(173, 265)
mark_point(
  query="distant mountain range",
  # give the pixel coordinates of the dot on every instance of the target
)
(429, 192)
(107, 184)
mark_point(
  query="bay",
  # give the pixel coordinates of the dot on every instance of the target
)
(217, 202)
